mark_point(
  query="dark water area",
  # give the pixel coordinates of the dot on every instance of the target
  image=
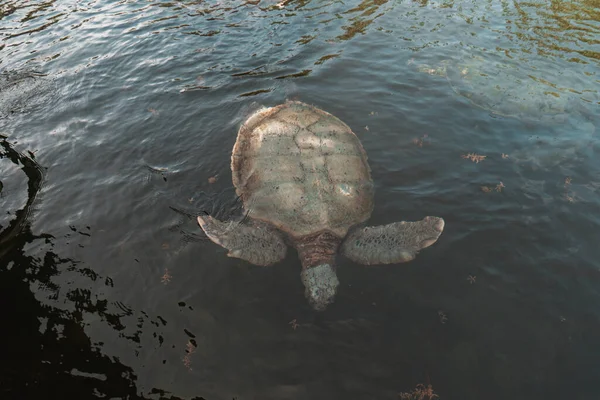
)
(118, 119)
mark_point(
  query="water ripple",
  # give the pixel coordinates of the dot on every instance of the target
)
(135, 117)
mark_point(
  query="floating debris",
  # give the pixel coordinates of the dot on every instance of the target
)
(486, 189)
(419, 141)
(190, 348)
(212, 179)
(504, 156)
(476, 158)
(570, 197)
(499, 187)
(166, 278)
(421, 392)
(472, 279)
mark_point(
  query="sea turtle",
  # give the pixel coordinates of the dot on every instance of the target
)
(304, 181)
(511, 90)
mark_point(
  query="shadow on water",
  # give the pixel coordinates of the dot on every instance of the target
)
(46, 348)
(22, 91)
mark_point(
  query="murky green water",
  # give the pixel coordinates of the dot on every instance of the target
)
(119, 120)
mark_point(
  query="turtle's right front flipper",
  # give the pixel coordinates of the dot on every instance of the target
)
(258, 245)
(393, 243)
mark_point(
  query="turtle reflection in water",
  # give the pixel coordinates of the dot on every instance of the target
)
(304, 180)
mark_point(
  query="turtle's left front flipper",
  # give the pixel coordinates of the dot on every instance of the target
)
(259, 245)
(393, 243)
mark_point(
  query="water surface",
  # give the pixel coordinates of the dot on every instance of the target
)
(120, 116)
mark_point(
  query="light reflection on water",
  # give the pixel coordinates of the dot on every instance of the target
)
(133, 123)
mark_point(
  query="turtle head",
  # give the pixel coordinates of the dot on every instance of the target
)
(321, 285)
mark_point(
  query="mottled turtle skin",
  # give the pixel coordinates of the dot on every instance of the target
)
(304, 181)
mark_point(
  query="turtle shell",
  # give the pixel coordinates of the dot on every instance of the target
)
(302, 170)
